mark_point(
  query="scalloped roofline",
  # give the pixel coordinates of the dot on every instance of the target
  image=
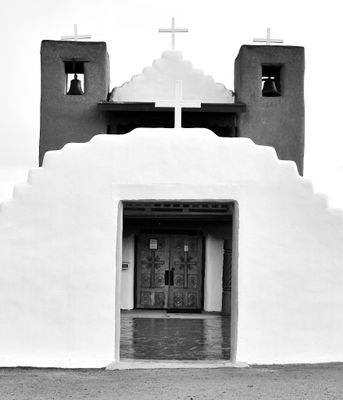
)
(156, 82)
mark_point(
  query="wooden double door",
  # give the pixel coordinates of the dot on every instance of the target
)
(169, 273)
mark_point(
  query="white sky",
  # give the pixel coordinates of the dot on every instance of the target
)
(217, 30)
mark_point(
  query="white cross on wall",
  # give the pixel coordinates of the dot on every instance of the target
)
(172, 30)
(178, 103)
(75, 36)
(268, 40)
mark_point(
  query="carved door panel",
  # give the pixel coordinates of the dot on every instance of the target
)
(186, 266)
(152, 264)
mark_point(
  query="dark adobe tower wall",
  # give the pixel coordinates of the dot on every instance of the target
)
(276, 121)
(72, 118)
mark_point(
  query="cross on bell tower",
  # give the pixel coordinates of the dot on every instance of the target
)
(268, 39)
(76, 37)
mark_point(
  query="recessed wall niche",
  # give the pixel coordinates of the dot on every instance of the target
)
(74, 77)
(271, 80)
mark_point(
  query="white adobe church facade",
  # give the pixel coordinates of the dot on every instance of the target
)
(127, 212)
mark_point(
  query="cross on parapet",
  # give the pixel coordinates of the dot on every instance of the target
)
(178, 103)
(76, 36)
(172, 30)
(268, 40)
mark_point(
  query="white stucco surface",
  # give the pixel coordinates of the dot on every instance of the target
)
(60, 247)
(158, 83)
(127, 276)
(213, 274)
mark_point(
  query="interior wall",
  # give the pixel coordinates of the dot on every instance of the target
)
(127, 276)
(213, 287)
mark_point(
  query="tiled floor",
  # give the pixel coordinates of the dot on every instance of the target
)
(161, 336)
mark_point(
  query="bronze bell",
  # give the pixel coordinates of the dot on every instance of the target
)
(269, 88)
(75, 86)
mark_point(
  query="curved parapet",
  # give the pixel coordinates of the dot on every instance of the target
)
(158, 83)
(59, 239)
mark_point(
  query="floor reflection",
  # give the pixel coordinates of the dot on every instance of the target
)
(178, 337)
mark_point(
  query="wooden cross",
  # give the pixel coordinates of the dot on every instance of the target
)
(268, 40)
(75, 36)
(173, 30)
(153, 262)
(186, 264)
(178, 103)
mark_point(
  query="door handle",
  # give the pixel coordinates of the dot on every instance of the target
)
(169, 278)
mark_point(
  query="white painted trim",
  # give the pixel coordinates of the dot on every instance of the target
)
(171, 364)
(213, 273)
(118, 263)
(234, 283)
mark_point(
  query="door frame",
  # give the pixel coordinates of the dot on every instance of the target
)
(118, 253)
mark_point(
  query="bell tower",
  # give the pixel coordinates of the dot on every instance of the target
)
(74, 78)
(269, 79)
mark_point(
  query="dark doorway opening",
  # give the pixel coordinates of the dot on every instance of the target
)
(181, 277)
(220, 118)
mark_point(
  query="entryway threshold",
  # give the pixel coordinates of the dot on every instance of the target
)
(173, 364)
